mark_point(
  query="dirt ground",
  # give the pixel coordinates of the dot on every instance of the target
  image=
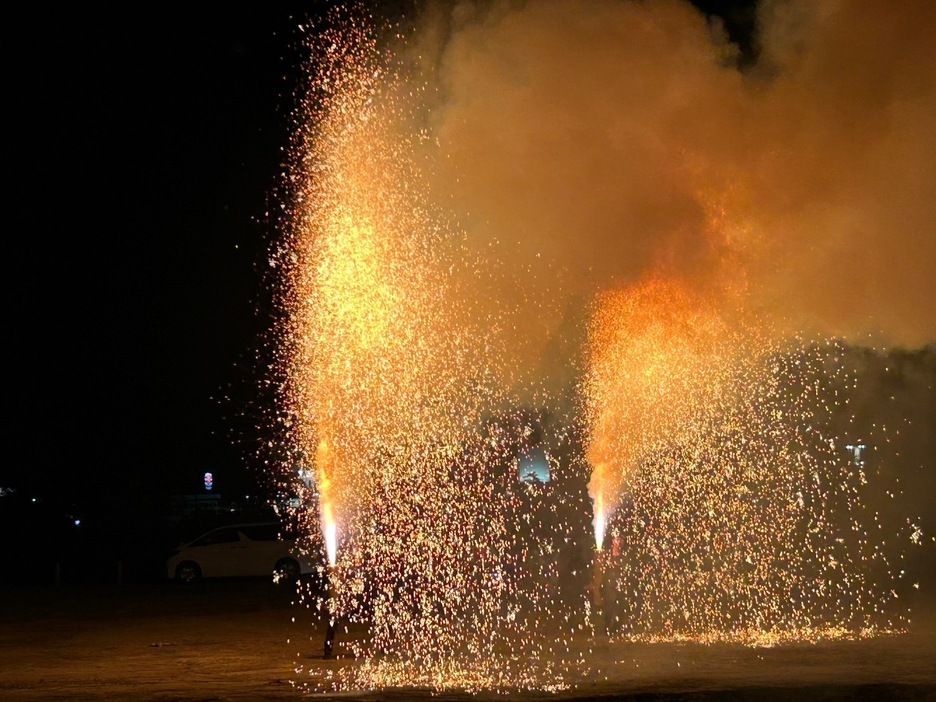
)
(243, 640)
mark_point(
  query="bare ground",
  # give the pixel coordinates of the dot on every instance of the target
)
(243, 641)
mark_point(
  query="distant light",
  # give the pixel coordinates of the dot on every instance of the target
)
(856, 450)
(34, 499)
(77, 522)
(209, 481)
(533, 466)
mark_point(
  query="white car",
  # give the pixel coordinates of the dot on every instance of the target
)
(239, 550)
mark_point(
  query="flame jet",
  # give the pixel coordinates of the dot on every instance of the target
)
(658, 356)
(324, 466)
(386, 368)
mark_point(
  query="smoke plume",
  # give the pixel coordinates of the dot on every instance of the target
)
(586, 146)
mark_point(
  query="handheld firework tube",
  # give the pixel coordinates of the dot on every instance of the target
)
(330, 619)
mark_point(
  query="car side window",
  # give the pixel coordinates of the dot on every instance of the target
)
(218, 536)
(261, 532)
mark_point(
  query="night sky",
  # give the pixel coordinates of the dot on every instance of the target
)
(145, 150)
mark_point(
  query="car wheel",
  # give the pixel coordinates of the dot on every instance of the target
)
(187, 572)
(286, 569)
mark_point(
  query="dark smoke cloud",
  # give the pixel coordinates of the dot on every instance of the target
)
(586, 145)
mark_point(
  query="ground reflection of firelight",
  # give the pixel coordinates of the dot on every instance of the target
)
(725, 510)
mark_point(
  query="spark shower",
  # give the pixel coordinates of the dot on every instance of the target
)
(590, 232)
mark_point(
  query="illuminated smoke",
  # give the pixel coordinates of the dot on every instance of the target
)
(586, 148)
(525, 201)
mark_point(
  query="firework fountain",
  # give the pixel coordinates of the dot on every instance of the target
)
(704, 434)
(743, 521)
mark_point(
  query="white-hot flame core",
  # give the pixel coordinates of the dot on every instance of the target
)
(599, 521)
(331, 542)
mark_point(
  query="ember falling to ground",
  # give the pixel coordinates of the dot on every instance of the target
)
(597, 213)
